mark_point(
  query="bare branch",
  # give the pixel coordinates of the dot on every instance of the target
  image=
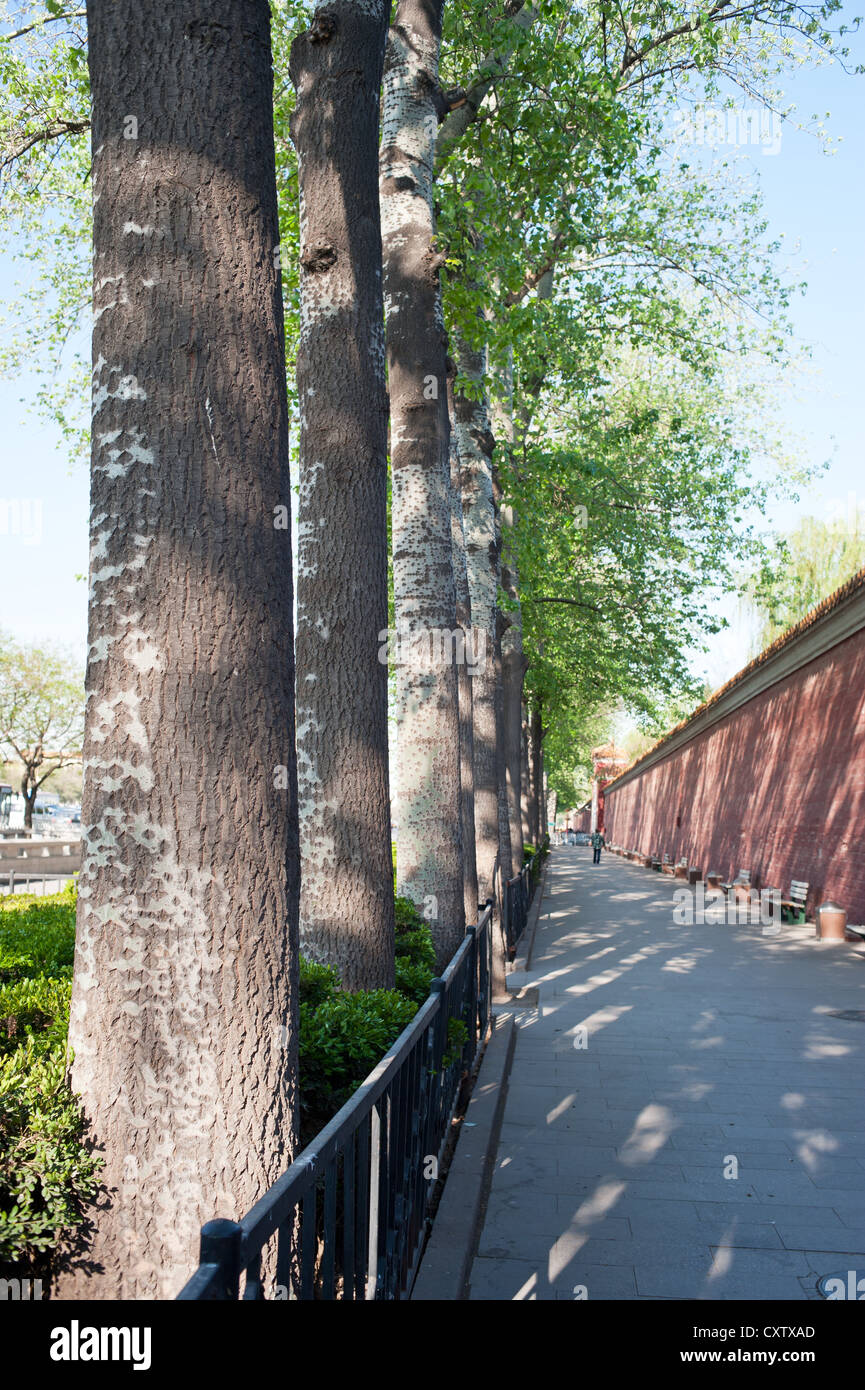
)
(53, 131)
(46, 19)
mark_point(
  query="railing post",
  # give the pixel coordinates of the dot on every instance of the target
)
(437, 987)
(498, 938)
(220, 1245)
(473, 988)
(491, 965)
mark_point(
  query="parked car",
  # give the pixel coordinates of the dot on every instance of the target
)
(582, 838)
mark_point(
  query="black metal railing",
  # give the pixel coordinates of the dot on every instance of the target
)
(518, 897)
(348, 1219)
(519, 892)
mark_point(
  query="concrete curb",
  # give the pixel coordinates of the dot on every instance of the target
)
(447, 1261)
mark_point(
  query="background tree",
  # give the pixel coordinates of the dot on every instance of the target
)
(809, 563)
(560, 148)
(41, 715)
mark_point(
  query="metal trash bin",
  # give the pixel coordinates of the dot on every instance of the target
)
(831, 922)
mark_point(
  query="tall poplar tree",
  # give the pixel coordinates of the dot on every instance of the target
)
(184, 990)
(347, 912)
(429, 645)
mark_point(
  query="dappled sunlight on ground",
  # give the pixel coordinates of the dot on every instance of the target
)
(683, 1116)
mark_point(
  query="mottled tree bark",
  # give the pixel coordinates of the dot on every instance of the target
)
(525, 778)
(475, 443)
(503, 623)
(342, 748)
(514, 667)
(514, 661)
(536, 740)
(183, 1022)
(505, 854)
(429, 836)
(465, 677)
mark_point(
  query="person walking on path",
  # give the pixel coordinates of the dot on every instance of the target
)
(598, 843)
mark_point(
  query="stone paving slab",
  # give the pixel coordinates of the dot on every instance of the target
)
(659, 1059)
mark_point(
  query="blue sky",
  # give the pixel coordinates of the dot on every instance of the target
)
(816, 199)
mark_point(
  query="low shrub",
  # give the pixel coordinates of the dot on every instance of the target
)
(47, 1173)
(534, 856)
(35, 1009)
(317, 982)
(341, 1039)
(342, 1036)
(415, 953)
(413, 979)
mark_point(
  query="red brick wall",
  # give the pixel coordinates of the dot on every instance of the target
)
(777, 787)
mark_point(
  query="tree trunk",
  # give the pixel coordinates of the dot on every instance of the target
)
(29, 794)
(183, 1007)
(342, 748)
(552, 807)
(503, 623)
(514, 661)
(475, 443)
(465, 675)
(429, 838)
(537, 789)
(525, 775)
(505, 856)
(514, 667)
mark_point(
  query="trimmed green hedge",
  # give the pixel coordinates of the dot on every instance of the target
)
(534, 857)
(342, 1036)
(47, 1174)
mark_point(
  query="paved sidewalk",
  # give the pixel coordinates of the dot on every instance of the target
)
(704, 1044)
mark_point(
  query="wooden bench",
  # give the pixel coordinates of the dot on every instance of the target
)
(793, 908)
(740, 886)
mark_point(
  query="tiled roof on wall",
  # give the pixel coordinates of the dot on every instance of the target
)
(788, 638)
